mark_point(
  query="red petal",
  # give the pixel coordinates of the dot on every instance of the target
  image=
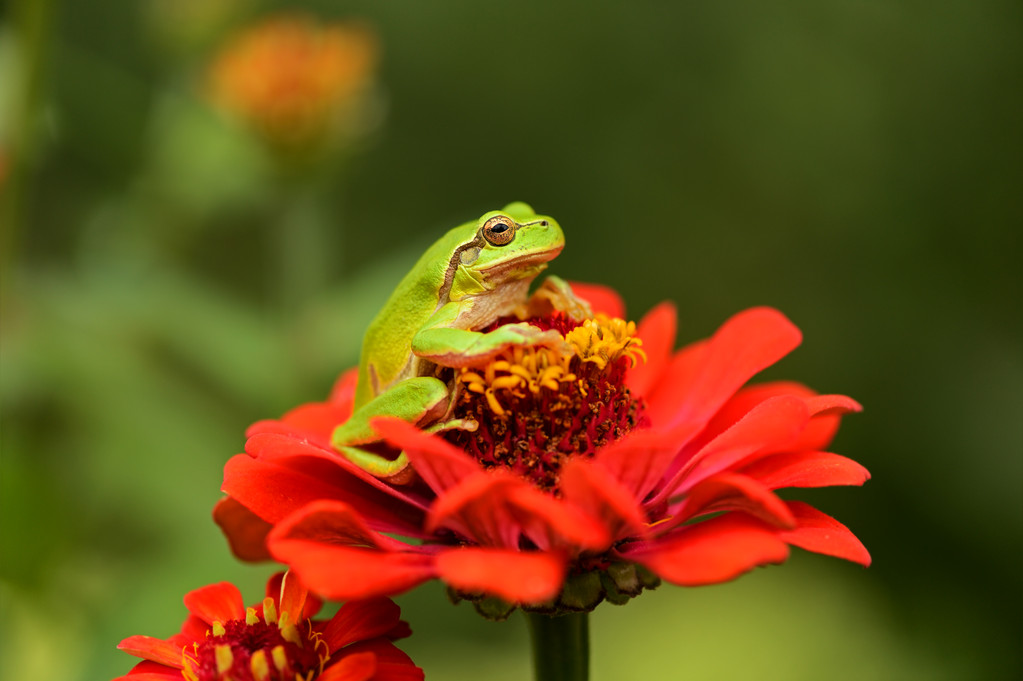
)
(675, 385)
(193, 629)
(153, 671)
(827, 411)
(593, 489)
(392, 663)
(744, 345)
(318, 419)
(282, 450)
(337, 556)
(657, 331)
(273, 490)
(440, 464)
(742, 403)
(601, 298)
(292, 597)
(806, 469)
(355, 667)
(768, 426)
(712, 551)
(343, 392)
(216, 602)
(154, 649)
(731, 492)
(515, 576)
(361, 621)
(832, 404)
(820, 533)
(480, 508)
(332, 522)
(638, 462)
(245, 531)
(551, 522)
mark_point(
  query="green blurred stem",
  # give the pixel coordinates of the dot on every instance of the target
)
(561, 646)
(301, 248)
(32, 20)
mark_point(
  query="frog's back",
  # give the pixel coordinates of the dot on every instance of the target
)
(387, 346)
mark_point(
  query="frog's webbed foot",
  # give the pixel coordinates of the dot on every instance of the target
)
(554, 294)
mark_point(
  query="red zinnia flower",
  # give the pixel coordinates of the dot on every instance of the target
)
(587, 473)
(221, 640)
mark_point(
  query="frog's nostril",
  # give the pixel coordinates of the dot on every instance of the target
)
(543, 223)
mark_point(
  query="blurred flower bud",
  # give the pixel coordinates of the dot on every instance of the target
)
(302, 86)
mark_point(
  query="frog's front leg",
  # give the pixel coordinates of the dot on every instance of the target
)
(418, 400)
(442, 342)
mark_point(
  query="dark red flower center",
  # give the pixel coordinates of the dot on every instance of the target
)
(256, 649)
(538, 406)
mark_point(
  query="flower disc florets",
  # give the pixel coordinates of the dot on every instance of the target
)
(535, 406)
(256, 649)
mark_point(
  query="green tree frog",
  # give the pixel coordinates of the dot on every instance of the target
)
(472, 276)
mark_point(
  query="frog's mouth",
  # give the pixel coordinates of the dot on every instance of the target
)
(523, 266)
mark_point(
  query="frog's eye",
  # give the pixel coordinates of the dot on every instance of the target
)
(499, 230)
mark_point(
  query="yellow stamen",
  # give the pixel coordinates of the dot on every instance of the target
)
(250, 616)
(218, 628)
(280, 658)
(269, 610)
(604, 339)
(260, 666)
(495, 406)
(289, 632)
(224, 658)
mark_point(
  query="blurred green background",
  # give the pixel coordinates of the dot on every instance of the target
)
(169, 277)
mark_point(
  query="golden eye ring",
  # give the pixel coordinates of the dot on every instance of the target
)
(499, 230)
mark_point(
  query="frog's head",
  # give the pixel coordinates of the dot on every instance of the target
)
(512, 244)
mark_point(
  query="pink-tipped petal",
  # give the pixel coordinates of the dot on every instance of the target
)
(806, 469)
(245, 531)
(657, 331)
(713, 551)
(820, 533)
(154, 649)
(440, 464)
(731, 492)
(515, 576)
(601, 298)
(361, 621)
(216, 602)
(593, 489)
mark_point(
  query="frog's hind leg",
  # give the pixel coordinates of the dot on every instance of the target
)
(419, 400)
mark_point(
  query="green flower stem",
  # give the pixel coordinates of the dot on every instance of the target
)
(561, 646)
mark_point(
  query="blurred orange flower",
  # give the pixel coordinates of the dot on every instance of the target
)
(295, 81)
